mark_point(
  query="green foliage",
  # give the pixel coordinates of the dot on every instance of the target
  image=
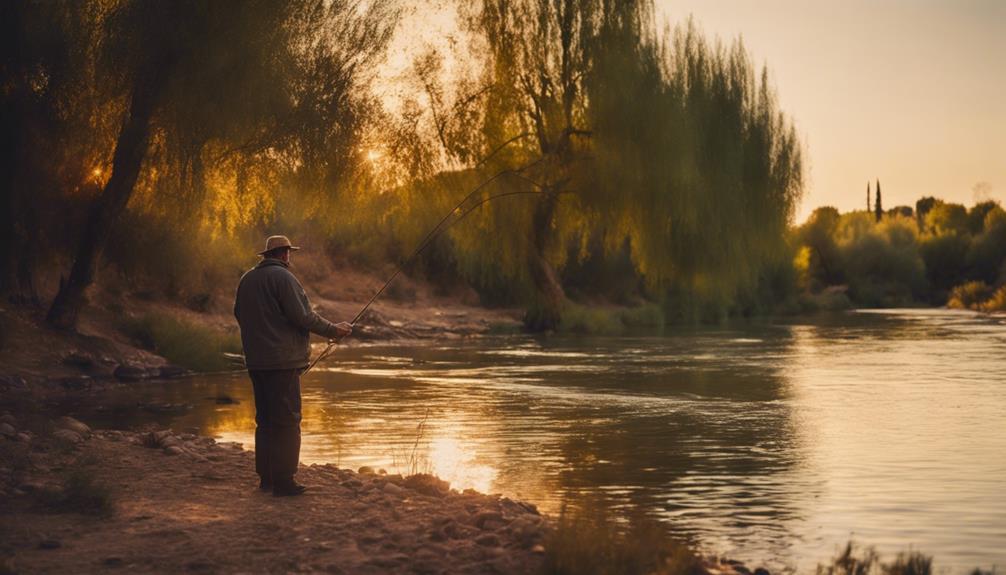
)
(947, 219)
(902, 260)
(882, 263)
(945, 257)
(591, 542)
(185, 343)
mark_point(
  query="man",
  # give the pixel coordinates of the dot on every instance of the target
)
(276, 321)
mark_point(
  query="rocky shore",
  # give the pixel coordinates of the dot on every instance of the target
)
(78, 500)
(156, 501)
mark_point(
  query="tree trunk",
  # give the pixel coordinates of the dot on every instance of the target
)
(130, 149)
(546, 311)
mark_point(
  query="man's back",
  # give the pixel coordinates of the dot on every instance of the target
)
(276, 318)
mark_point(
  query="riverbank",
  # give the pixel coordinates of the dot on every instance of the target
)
(157, 501)
(125, 335)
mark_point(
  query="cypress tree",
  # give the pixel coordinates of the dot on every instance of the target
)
(878, 210)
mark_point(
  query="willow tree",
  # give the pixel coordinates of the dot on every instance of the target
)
(229, 102)
(693, 162)
(533, 126)
(668, 143)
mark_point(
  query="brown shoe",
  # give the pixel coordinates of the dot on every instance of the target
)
(288, 489)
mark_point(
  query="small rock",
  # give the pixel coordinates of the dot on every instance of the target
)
(539, 549)
(73, 425)
(761, 571)
(427, 484)
(68, 436)
(78, 359)
(8, 418)
(128, 372)
(23, 437)
(366, 470)
(32, 487)
(7, 430)
(392, 489)
(169, 371)
(489, 540)
(76, 382)
(487, 517)
(174, 450)
(49, 544)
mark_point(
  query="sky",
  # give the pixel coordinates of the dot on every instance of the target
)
(910, 92)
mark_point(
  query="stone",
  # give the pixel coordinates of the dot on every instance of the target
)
(538, 549)
(170, 371)
(392, 489)
(174, 450)
(73, 425)
(78, 359)
(488, 540)
(68, 436)
(427, 484)
(8, 418)
(76, 382)
(7, 430)
(13, 382)
(761, 571)
(128, 372)
(22, 437)
(486, 517)
(32, 487)
(366, 470)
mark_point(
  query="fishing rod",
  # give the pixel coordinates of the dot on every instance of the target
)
(442, 226)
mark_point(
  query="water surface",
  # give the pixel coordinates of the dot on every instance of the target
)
(771, 443)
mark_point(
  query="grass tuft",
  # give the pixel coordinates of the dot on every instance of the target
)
(184, 343)
(80, 493)
(857, 560)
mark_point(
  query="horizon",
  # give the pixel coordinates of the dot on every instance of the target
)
(875, 63)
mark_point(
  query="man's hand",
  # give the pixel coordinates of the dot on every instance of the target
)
(344, 329)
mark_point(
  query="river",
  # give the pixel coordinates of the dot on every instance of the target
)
(774, 443)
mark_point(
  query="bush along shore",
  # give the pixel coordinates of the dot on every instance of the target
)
(91, 501)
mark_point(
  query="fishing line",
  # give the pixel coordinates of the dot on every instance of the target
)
(442, 226)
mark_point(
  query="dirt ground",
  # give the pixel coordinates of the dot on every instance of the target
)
(158, 502)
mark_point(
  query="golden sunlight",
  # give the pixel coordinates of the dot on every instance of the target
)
(455, 463)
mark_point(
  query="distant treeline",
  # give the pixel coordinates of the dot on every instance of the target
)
(937, 253)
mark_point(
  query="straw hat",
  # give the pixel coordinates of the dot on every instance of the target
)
(276, 242)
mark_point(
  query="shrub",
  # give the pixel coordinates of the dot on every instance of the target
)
(997, 302)
(969, 295)
(185, 343)
(590, 320)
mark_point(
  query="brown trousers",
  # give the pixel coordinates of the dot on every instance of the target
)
(277, 423)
